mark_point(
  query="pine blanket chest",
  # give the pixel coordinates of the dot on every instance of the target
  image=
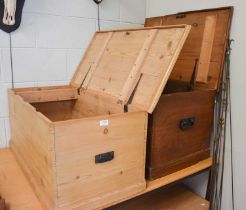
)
(180, 126)
(83, 146)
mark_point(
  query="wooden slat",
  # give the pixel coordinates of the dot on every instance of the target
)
(34, 95)
(135, 72)
(98, 59)
(168, 72)
(158, 66)
(206, 49)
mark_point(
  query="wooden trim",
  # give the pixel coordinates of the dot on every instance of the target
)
(145, 28)
(225, 44)
(206, 49)
(207, 10)
(200, 166)
(195, 11)
(35, 95)
(169, 70)
(135, 71)
(97, 61)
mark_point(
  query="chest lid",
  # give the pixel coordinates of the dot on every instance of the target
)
(131, 65)
(205, 47)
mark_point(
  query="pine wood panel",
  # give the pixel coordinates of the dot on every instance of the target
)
(157, 67)
(32, 139)
(117, 60)
(91, 104)
(47, 94)
(77, 144)
(193, 45)
(206, 49)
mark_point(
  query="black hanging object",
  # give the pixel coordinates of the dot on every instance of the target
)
(98, 1)
(18, 15)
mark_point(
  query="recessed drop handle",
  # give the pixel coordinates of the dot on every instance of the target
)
(186, 124)
(180, 16)
(104, 157)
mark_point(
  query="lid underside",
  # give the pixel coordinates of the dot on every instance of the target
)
(206, 44)
(131, 65)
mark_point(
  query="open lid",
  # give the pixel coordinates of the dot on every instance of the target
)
(131, 65)
(205, 47)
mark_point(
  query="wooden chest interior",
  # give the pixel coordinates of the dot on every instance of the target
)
(180, 127)
(83, 146)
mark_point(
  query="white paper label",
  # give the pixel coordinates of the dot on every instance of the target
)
(103, 122)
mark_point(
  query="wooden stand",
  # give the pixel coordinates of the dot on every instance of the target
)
(176, 197)
(18, 193)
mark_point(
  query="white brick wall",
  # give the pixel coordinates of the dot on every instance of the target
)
(51, 41)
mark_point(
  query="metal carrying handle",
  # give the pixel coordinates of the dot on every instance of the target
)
(186, 124)
(104, 157)
(180, 16)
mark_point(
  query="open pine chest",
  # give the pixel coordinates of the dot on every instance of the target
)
(83, 146)
(180, 126)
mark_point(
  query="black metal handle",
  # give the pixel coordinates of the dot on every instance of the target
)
(186, 124)
(180, 16)
(104, 157)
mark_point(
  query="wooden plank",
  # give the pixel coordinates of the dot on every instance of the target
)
(169, 70)
(164, 181)
(158, 66)
(82, 184)
(34, 95)
(96, 62)
(176, 197)
(91, 104)
(135, 71)
(145, 28)
(14, 186)
(206, 49)
(117, 62)
(57, 110)
(32, 140)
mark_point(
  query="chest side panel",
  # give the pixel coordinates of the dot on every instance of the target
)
(172, 144)
(85, 183)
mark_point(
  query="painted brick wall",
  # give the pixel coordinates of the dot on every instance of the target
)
(52, 39)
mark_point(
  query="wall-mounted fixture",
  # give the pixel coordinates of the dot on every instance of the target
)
(10, 14)
(98, 1)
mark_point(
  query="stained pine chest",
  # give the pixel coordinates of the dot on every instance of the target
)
(180, 127)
